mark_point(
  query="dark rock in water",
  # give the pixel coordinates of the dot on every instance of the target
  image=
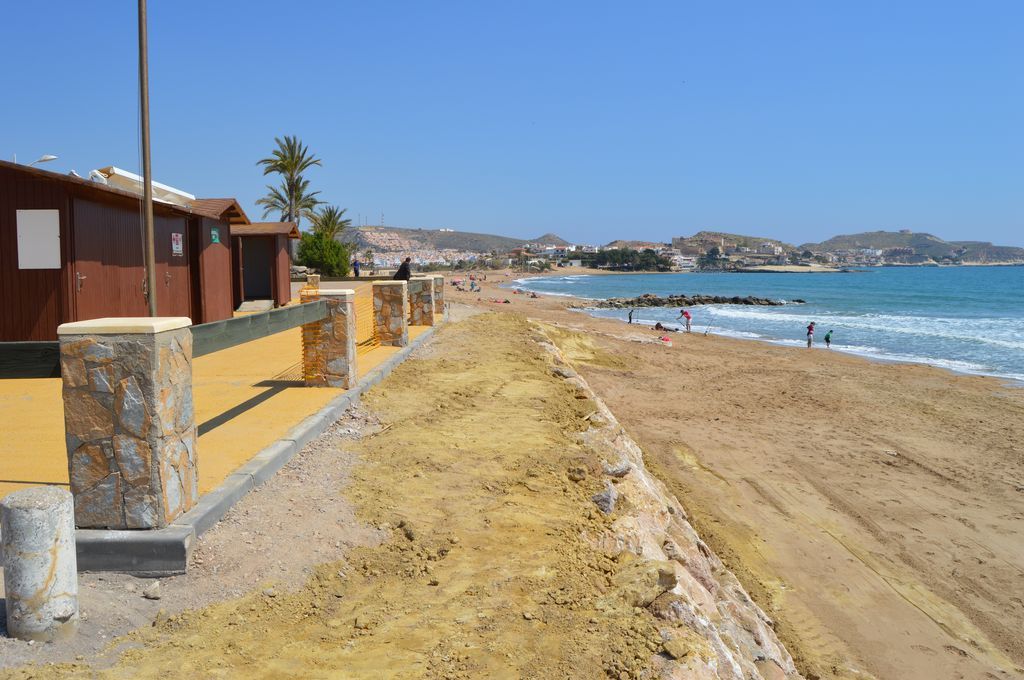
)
(651, 300)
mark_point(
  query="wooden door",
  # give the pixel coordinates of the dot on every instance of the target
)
(258, 261)
(173, 284)
(107, 274)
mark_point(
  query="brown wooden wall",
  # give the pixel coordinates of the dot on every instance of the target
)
(214, 259)
(33, 302)
(102, 258)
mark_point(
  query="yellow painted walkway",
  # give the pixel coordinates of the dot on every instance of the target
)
(246, 398)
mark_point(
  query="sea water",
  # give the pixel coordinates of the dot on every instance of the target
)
(968, 319)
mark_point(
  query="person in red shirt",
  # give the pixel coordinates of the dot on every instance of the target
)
(685, 315)
(810, 335)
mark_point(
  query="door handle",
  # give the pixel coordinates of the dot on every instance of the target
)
(167, 278)
(79, 277)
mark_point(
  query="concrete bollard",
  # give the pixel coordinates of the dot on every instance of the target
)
(40, 566)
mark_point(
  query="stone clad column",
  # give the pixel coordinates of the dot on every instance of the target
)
(421, 301)
(128, 420)
(439, 309)
(391, 312)
(329, 345)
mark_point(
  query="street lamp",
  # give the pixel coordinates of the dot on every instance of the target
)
(46, 158)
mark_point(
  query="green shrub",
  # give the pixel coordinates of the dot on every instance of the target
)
(326, 255)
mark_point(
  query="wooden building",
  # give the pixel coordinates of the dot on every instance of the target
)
(263, 261)
(72, 249)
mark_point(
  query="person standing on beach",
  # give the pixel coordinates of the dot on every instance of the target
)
(685, 315)
(631, 315)
(404, 272)
(828, 339)
(810, 335)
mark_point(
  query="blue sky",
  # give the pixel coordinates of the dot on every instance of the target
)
(797, 120)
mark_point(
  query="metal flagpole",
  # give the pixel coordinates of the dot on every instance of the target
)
(147, 178)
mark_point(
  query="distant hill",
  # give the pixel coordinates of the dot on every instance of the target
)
(741, 240)
(551, 240)
(923, 244)
(398, 239)
(635, 245)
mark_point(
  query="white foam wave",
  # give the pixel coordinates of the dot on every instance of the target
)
(867, 351)
(998, 332)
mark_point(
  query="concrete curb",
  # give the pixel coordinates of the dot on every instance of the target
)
(166, 551)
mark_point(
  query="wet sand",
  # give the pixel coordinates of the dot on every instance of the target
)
(874, 510)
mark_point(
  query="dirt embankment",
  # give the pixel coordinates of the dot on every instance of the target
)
(873, 510)
(478, 485)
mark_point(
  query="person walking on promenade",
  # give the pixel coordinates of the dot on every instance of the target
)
(355, 267)
(404, 271)
(828, 339)
(685, 315)
(810, 335)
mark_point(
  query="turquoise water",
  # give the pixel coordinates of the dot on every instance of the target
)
(968, 319)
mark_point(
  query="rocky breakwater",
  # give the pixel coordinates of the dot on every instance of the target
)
(710, 628)
(652, 300)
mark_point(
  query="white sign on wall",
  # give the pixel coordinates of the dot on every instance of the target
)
(177, 245)
(38, 239)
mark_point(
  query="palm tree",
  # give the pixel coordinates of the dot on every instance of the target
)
(330, 222)
(292, 199)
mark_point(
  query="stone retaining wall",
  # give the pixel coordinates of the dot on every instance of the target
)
(710, 626)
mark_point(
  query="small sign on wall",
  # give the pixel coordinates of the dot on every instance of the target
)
(177, 245)
(38, 239)
(214, 235)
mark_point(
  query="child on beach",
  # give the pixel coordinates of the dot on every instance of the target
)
(810, 335)
(828, 339)
(685, 315)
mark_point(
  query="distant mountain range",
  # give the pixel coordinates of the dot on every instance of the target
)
(922, 243)
(926, 247)
(399, 239)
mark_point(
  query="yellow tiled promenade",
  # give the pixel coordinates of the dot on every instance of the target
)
(246, 397)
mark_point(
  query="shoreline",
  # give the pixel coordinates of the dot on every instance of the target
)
(1004, 380)
(842, 492)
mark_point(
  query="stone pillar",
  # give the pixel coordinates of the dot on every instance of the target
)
(421, 301)
(329, 345)
(128, 420)
(391, 312)
(40, 568)
(440, 311)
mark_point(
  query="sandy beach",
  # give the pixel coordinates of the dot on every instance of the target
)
(874, 510)
(446, 528)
